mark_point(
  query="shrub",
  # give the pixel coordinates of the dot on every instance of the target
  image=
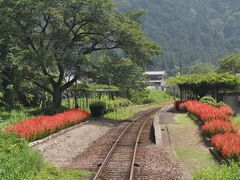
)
(218, 127)
(211, 101)
(207, 99)
(52, 111)
(113, 105)
(228, 145)
(39, 127)
(17, 160)
(138, 96)
(98, 108)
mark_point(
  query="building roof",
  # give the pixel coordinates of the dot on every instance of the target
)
(155, 73)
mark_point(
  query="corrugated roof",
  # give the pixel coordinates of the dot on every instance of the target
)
(155, 72)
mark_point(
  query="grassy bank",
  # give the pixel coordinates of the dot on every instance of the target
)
(18, 161)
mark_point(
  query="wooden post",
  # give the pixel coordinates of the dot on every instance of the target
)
(76, 101)
(44, 103)
(68, 99)
(181, 94)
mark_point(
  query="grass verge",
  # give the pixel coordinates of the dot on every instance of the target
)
(188, 145)
(51, 172)
(217, 172)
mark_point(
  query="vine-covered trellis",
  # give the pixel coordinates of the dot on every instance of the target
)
(198, 85)
(83, 94)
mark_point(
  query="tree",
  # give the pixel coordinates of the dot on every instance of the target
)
(200, 67)
(230, 64)
(57, 38)
(123, 73)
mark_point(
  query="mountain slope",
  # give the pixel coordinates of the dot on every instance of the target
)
(188, 30)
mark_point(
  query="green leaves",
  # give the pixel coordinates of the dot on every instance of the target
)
(230, 64)
(202, 83)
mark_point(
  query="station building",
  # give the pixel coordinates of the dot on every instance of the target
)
(156, 79)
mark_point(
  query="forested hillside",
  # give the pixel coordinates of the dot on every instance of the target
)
(189, 29)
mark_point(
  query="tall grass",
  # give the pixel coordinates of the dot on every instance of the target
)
(17, 160)
(9, 117)
(223, 172)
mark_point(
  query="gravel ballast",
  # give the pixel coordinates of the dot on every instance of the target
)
(61, 149)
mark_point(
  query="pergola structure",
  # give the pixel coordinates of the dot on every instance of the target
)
(195, 86)
(89, 91)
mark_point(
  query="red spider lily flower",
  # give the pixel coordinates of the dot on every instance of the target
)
(36, 128)
(228, 144)
(207, 112)
(218, 127)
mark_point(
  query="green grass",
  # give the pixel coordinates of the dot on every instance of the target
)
(216, 172)
(184, 119)
(184, 154)
(190, 151)
(18, 161)
(50, 172)
(159, 98)
(236, 120)
(9, 117)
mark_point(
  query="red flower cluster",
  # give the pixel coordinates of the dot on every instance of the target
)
(228, 144)
(218, 127)
(225, 137)
(39, 127)
(207, 112)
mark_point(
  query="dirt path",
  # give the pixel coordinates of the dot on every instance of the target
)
(62, 149)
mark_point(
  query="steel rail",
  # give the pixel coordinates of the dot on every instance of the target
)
(135, 149)
(104, 163)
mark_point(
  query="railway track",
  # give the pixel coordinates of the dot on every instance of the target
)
(120, 160)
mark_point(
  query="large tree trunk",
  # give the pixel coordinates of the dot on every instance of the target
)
(57, 98)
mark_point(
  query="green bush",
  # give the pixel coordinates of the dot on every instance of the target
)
(17, 160)
(211, 101)
(98, 108)
(113, 105)
(52, 111)
(223, 172)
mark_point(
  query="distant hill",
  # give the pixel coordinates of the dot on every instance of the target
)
(188, 30)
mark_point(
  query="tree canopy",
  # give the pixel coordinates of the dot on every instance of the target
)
(52, 41)
(230, 64)
(200, 67)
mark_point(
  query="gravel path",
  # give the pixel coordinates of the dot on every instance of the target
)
(62, 149)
